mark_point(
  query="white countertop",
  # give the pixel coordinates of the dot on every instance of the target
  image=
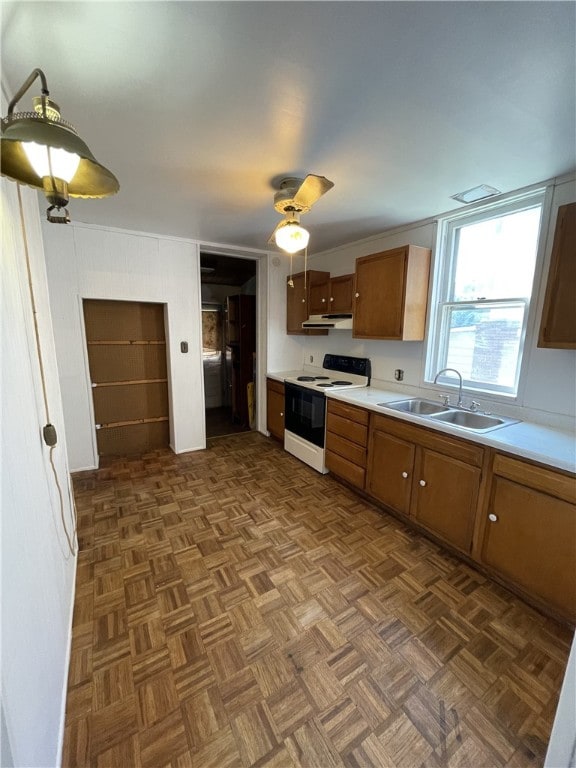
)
(547, 445)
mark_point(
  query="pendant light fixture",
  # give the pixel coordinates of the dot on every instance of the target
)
(291, 235)
(43, 151)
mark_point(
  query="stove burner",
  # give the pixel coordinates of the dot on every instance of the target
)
(341, 383)
(305, 378)
(325, 384)
(318, 378)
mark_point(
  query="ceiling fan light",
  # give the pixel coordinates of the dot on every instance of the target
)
(292, 237)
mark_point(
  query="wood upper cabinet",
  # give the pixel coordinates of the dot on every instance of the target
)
(558, 325)
(341, 293)
(391, 294)
(432, 478)
(528, 532)
(346, 441)
(319, 295)
(298, 300)
(275, 408)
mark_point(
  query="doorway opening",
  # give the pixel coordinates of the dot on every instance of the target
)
(229, 289)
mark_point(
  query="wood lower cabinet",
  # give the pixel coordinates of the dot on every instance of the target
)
(346, 441)
(445, 497)
(275, 408)
(558, 327)
(432, 478)
(390, 469)
(528, 532)
(391, 294)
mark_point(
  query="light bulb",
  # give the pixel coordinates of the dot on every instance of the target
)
(64, 164)
(292, 237)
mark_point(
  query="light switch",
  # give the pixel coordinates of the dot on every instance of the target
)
(184, 347)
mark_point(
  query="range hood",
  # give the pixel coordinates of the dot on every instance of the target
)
(341, 321)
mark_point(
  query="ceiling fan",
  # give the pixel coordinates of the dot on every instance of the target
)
(296, 196)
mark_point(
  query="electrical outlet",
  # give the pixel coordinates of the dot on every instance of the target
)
(399, 374)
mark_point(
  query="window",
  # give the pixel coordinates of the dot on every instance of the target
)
(483, 283)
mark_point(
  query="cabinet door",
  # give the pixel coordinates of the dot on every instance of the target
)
(531, 542)
(319, 297)
(390, 466)
(341, 290)
(275, 409)
(379, 295)
(445, 496)
(558, 327)
(296, 305)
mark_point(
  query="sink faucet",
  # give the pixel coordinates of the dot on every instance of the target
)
(444, 370)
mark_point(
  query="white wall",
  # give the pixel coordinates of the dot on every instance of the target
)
(561, 751)
(37, 569)
(93, 263)
(548, 392)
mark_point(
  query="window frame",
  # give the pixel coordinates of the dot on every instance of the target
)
(443, 282)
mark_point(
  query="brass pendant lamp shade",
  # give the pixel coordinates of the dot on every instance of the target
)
(41, 135)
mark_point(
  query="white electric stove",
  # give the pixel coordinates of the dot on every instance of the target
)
(305, 404)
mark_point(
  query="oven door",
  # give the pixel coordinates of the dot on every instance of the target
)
(305, 413)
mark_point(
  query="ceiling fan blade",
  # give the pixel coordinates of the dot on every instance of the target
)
(311, 189)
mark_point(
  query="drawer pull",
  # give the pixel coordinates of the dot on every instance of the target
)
(492, 517)
(404, 475)
(422, 483)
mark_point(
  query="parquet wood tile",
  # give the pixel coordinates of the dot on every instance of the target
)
(234, 609)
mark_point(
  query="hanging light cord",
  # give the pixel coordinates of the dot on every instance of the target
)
(69, 538)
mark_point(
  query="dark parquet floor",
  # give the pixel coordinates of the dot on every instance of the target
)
(235, 608)
(219, 423)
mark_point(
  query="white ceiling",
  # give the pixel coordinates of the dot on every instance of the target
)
(200, 107)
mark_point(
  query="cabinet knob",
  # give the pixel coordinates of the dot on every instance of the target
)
(331, 298)
(422, 483)
(303, 301)
(281, 413)
(323, 301)
(492, 517)
(357, 295)
(404, 475)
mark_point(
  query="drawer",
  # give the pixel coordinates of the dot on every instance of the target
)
(345, 469)
(347, 411)
(563, 486)
(471, 453)
(275, 386)
(350, 430)
(343, 447)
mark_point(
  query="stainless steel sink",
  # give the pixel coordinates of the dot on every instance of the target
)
(417, 406)
(478, 422)
(458, 417)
